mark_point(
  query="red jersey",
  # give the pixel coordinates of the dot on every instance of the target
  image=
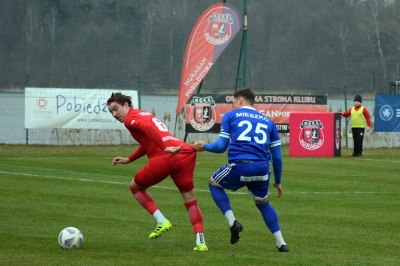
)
(151, 133)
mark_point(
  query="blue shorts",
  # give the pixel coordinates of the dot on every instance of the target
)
(253, 175)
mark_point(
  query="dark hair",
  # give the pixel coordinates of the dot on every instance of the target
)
(247, 94)
(120, 98)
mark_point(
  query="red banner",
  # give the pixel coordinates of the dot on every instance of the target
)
(211, 34)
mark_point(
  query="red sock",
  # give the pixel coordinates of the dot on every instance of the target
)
(144, 199)
(195, 215)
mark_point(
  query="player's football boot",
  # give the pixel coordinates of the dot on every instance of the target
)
(283, 248)
(236, 228)
(160, 229)
(202, 247)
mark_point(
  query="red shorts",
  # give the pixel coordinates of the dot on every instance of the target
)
(180, 167)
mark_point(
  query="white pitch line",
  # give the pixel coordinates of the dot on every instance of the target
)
(376, 160)
(197, 190)
(308, 159)
(361, 159)
(50, 158)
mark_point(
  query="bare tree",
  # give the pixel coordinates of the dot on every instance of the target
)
(148, 32)
(375, 8)
(30, 28)
(51, 23)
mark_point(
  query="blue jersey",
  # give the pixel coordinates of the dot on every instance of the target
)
(251, 135)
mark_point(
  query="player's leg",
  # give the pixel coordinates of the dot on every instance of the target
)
(145, 178)
(358, 136)
(183, 179)
(271, 220)
(359, 141)
(256, 177)
(226, 178)
(259, 189)
(195, 217)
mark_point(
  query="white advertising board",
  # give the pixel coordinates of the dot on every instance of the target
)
(71, 108)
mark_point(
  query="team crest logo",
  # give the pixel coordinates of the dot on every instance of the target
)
(311, 135)
(202, 113)
(219, 29)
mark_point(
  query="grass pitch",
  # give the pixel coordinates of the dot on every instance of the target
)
(334, 211)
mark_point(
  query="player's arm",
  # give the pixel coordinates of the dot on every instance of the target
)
(276, 154)
(221, 144)
(367, 117)
(140, 152)
(277, 163)
(347, 113)
(150, 133)
(218, 146)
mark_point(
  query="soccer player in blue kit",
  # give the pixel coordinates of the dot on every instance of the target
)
(253, 142)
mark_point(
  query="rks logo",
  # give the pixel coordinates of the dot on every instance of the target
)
(311, 136)
(202, 113)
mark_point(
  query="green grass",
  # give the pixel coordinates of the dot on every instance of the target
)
(334, 211)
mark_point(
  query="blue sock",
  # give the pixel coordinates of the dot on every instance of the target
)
(270, 217)
(220, 198)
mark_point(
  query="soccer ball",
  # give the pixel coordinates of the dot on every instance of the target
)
(70, 238)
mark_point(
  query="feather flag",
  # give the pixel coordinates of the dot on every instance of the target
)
(211, 34)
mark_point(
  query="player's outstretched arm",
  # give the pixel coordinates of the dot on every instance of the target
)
(218, 146)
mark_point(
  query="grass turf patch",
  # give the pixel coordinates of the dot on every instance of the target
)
(334, 211)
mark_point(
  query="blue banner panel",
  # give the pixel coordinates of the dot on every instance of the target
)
(387, 113)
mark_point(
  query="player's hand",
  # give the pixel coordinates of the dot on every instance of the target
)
(121, 160)
(173, 150)
(199, 145)
(367, 128)
(279, 187)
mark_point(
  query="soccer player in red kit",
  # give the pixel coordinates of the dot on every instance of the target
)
(168, 156)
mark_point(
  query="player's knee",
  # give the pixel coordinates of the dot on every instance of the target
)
(186, 188)
(261, 201)
(134, 189)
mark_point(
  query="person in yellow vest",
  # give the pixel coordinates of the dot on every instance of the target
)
(359, 117)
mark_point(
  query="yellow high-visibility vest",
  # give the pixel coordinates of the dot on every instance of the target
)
(358, 119)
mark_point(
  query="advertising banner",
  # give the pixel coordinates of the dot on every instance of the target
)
(204, 112)
(387, 113)
(211, 34)
(71, 108)
(315, 134)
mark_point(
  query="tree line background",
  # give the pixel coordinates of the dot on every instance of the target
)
(315, 46)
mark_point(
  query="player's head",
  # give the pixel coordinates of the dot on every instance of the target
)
(357, 100)
(243, 97)
(119, 105)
